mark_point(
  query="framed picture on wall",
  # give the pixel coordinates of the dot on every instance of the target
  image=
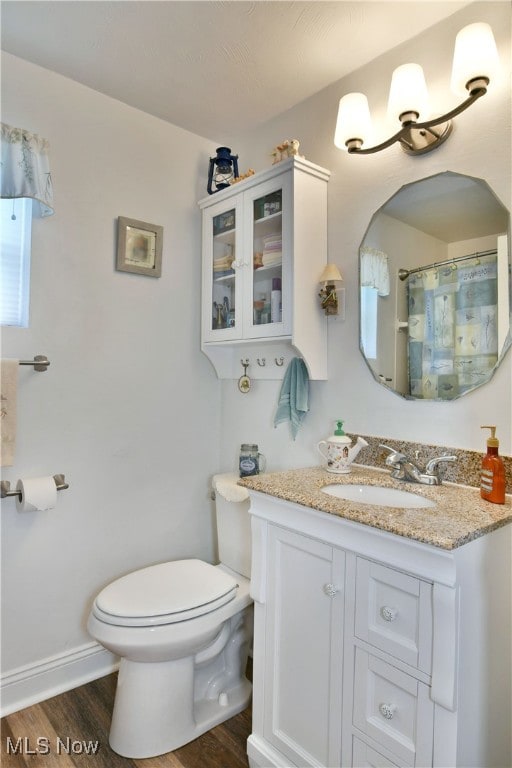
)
(139, 247)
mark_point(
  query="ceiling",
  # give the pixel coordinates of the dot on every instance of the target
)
(214, 68)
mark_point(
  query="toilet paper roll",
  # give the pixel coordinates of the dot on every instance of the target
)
(37, 494)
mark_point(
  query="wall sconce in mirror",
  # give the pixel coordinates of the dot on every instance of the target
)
(475, 64)
(222, 169)
(331, 278)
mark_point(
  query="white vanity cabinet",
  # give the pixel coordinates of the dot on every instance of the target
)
(264, 249)
(372, 649)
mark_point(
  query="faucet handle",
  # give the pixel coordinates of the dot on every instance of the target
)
(433, 463)
(394, 455)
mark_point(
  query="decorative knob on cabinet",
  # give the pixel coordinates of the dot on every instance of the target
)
(387, 710)
(331, 590)
(388, 614)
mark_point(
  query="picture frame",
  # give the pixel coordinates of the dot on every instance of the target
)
(139, 247)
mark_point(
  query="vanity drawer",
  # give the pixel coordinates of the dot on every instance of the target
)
(394, 709)
(363, 756)
(394, 613)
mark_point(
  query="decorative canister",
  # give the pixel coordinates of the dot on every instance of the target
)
(250, 460)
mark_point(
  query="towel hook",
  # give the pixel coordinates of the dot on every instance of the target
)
(261, 362)
(279, 362)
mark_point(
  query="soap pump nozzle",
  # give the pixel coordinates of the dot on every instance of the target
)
(492, 441)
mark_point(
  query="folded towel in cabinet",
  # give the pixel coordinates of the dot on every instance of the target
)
(294, 396)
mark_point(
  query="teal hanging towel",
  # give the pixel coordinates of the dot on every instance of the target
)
(294, 396)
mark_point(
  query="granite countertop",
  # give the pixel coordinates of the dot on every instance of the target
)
(460, 514)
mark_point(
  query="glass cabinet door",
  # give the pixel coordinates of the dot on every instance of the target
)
(268, 281)
(222, 290)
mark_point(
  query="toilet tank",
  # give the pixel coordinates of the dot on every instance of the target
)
(233, 523)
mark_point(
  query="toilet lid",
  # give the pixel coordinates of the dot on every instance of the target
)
(165, 593)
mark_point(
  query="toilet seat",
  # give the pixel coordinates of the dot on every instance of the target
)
(165, 594)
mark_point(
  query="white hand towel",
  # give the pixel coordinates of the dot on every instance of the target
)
(8, 388)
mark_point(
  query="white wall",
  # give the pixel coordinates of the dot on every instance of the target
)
(480, 146)
(128, 409)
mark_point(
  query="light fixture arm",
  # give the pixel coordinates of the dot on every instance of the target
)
(477, 88)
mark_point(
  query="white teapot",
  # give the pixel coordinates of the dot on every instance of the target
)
(339, 451)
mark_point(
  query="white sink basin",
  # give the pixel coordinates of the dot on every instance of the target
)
(377, 495)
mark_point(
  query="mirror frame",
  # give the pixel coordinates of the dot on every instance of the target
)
(508, 339)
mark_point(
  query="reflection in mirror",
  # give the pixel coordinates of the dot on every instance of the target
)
(435, 292)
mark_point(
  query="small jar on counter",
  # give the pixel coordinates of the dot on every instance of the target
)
(250, 460)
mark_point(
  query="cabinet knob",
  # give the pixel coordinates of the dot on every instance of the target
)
(388, 614)
(331, 590)
(387, 710)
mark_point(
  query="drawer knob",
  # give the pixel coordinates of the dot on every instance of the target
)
(388, 614)
(331, 590)
(387, 710)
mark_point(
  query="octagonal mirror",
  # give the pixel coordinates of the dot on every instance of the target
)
(435, 288)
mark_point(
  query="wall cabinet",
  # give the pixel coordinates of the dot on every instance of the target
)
(375, 650)
(264, 248)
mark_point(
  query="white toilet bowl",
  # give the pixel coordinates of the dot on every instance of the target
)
(182, 667)
(183, 630)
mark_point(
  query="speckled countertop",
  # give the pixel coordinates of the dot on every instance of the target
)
(460, 514)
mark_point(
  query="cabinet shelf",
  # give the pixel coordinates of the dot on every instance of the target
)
(224, 278)
(263, 219)
(227, 235)
(268, 268)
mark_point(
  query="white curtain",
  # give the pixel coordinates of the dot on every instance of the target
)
(25, 168)
(374, 270)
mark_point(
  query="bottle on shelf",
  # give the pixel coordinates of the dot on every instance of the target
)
(275, 301)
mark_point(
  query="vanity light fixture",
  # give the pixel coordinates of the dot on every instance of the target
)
(222, 169)
(475, 64)
(329, 292)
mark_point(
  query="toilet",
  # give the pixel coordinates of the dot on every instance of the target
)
(183, 630)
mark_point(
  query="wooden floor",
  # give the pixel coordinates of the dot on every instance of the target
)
(71, 731)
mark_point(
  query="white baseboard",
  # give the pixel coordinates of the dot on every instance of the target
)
(261, 754)
(43, 679)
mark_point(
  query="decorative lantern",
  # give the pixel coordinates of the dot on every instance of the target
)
(223, 168)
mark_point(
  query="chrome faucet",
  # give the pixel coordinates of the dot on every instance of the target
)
(405, 469)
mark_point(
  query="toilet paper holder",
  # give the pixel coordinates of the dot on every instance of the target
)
(5, 487)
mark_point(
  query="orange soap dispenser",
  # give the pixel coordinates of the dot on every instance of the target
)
(492, 479)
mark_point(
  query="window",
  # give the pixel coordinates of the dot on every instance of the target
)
(15, 242)
(369, 321)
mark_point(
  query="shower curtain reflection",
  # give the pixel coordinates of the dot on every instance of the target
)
(453, 339)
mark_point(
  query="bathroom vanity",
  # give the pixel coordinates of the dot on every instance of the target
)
(382, 634)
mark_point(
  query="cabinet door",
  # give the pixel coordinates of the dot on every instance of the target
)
(304, 647)
(222, 270)
(267, 256)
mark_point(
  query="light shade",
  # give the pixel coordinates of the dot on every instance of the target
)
(330, 274)
(475, 57)
(408, 93)
(354, 121)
